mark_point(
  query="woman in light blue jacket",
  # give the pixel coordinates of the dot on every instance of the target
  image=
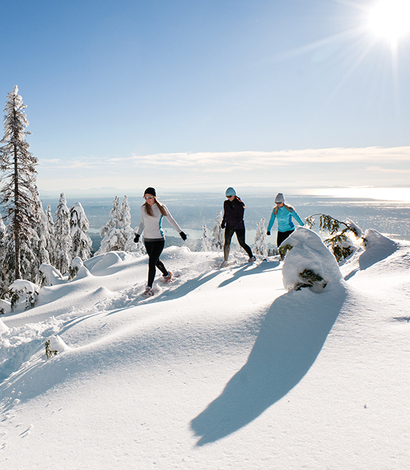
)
(284, 213)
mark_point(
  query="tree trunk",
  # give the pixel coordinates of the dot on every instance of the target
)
(17, 273)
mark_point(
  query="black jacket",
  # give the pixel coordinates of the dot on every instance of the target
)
(233, 214)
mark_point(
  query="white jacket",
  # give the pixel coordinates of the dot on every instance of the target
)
(152, 226)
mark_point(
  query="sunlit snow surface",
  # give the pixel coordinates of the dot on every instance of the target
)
(223, 368)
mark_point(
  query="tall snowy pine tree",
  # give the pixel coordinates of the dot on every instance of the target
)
(18, 179)
(62, 257)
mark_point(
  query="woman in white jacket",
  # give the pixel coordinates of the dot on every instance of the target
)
(152, 213)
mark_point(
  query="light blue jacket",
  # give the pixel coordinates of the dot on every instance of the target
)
(285, 222)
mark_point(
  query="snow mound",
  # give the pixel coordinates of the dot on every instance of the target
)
(377, 247)
(308, 255)
(101, 263)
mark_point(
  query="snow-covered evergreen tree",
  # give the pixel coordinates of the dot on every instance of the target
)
(62, 258)
(117, 233)
(19, 175)
(261, 247)
(51, 247)
(41, 243)
(111, 233)
(81, 243)
(128, 232)
(217, 233)
(205, 241)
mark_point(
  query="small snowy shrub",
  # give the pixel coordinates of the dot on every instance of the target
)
(50, 276)
(22, 291)
(339, 242)
(312, 280)
(50, 352)
(308, 263)
(77, 269)
(55, 345)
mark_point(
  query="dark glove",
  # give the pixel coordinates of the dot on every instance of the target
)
(182, 235)
(268, 233)
(136, 238)
(223, 225)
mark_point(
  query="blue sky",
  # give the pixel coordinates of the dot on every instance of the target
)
(198, 94)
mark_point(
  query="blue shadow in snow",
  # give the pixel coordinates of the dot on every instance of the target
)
(249, 270)
(374, 255)
(291, 337)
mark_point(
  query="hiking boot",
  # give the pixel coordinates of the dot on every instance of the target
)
(148, 292)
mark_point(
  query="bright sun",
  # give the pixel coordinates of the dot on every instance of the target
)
(390, 19)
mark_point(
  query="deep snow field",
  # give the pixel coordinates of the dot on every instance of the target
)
(222, 369)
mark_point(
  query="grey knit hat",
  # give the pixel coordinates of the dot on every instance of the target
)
(279, 198)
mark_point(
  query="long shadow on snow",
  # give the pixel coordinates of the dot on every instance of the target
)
(250, 270)
(291, 337)
(197, 282)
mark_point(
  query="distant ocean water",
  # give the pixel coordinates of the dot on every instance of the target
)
(192, 212)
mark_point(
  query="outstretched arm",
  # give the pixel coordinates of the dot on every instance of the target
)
(299, 220)
(272, 220)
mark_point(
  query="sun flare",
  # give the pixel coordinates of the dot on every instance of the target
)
(390, 19)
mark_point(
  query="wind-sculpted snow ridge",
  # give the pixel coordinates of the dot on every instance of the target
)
(222, 369)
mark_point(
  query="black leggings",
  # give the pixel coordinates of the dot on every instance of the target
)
(154, 250)
(240, 235)
(283, 236)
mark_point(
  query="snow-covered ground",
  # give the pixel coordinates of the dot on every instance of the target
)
(222, 369)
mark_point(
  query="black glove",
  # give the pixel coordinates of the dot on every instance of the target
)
(182, 235)
(136, 238)
(268, 233)
(223, 225)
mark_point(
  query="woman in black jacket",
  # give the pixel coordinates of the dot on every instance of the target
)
(233, 222)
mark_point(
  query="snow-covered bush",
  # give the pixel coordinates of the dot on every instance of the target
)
(22, 291)
(55, 345)
(308, 263)
(50, 276)
(340, 242)
(77, 269)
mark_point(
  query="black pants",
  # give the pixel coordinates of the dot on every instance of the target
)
(283, 236)
(240, 235)
(154, 250)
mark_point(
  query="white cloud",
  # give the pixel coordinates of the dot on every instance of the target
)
(309, 168)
